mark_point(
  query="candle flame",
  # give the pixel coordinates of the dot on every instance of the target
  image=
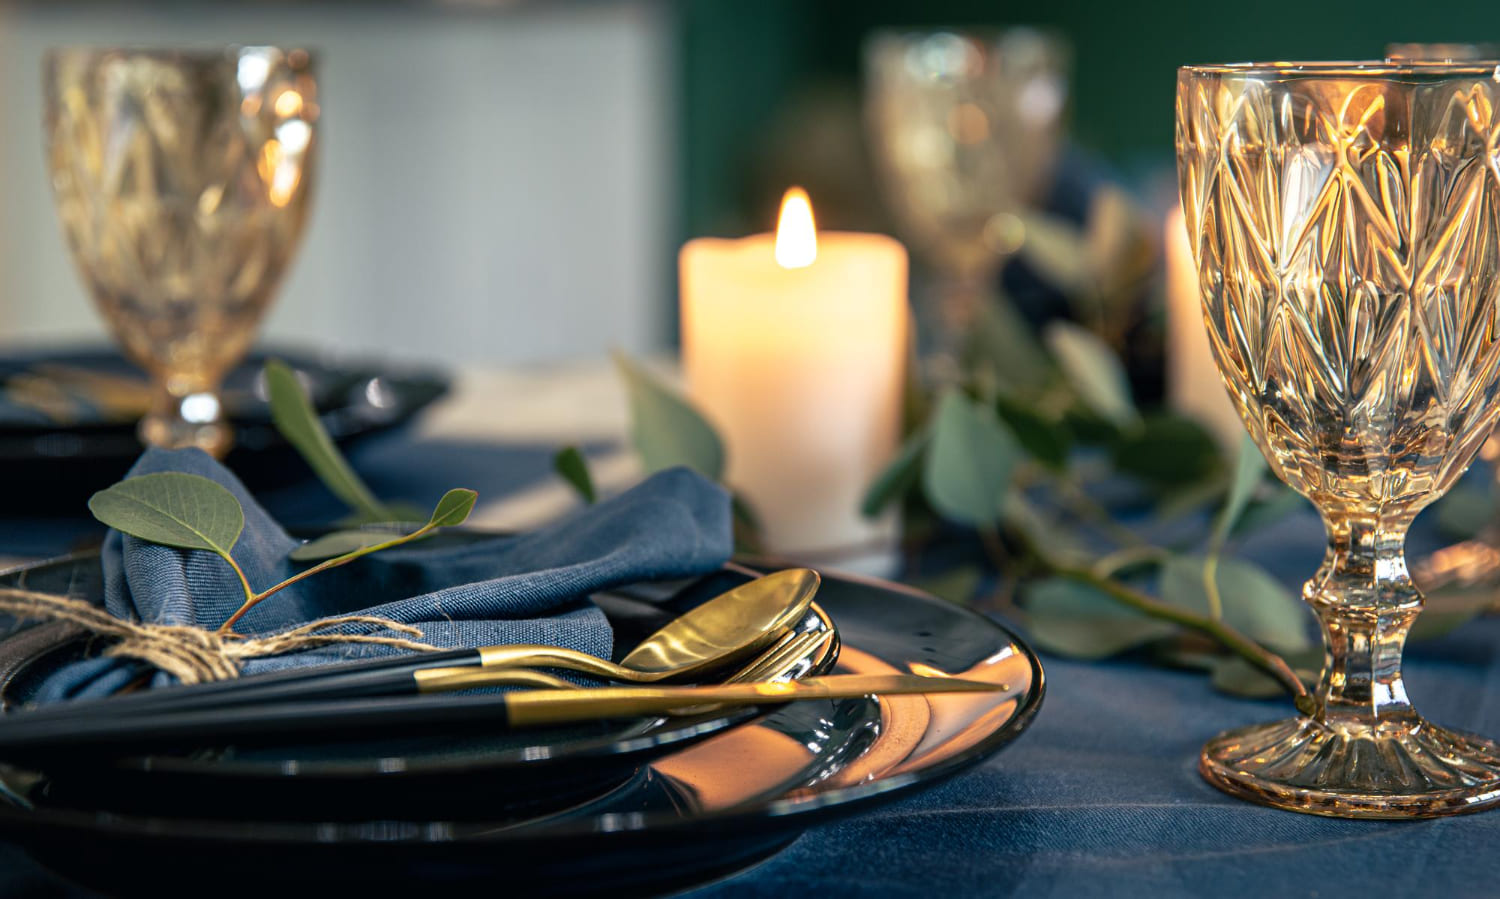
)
(796, 235)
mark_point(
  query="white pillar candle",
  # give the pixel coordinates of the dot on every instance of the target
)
(794, 347)
(1194, 386)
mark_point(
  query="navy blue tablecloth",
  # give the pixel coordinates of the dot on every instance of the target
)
(1101, 796)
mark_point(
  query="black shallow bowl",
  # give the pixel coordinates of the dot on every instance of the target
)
(687, 816)
(54, 465)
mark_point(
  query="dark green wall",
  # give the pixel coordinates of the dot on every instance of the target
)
(742, 60)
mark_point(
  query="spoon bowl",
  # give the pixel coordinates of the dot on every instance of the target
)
(727, 628)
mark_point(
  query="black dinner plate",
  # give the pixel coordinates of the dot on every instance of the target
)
(707, 809)
(432, 748)
(54, 463)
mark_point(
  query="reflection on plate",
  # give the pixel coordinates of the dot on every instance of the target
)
(67, 417)
(692, 814)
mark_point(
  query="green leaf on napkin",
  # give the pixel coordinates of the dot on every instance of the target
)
(899, 477)
(572, 467)
(295, 418)
(453, 508)
(348, 545)
(967, 470)
(665, 428)
(1255, 603)
(1075, 619)
(340, 543)
(172, 508)
(1094, 371)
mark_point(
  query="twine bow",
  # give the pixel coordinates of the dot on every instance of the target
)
(192, 654)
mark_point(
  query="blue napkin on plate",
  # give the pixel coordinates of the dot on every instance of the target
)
(531, 588)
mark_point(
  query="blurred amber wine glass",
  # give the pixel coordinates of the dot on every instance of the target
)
(181, 179)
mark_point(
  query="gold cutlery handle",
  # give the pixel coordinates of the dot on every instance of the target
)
(524, 655)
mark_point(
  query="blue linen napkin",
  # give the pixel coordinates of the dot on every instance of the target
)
(531, 588)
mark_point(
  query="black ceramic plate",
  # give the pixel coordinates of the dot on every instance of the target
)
(93, 446)
(443, 750)
(708, 809)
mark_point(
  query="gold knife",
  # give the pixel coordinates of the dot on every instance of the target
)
(525, 708)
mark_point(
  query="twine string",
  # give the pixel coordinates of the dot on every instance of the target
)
(195, 655)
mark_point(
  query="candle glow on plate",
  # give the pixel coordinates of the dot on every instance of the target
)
(794, 347)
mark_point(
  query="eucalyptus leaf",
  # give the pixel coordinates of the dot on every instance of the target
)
(339, 543)
(453, 508)
(1075, 619)
(1059, 252)
(1280, 502)
(1000, 339)
(1042, 529)
(1237, 677)
(1249, 471)
(957, 585)
(1045, 440)
(172, 508)
(966, 472)
(1465, 509)
(665, 428)
(572, 467)
(295, 418)
(1168, 451)
(1094, 371)
(899, 478)
(1447, 610)
(1255, 603)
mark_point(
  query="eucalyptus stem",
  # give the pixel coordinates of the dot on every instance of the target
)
(1218, 630)
(1080, 504)
(254, 599)
(240, 573)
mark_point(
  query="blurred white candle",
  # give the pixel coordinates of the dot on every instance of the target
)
(1194, 385)
(794, 346)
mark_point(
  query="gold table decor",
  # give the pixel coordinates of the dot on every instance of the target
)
(1345, 219)
(181, 180)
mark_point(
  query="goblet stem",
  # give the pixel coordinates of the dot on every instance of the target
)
(1366, 602)
(181, 418)
(946, 319)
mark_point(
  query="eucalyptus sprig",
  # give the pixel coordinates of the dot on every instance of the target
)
(1016, 452)
(189, 511)
(296, 419)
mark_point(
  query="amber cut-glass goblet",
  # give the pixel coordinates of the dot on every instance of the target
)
(181, 180)
(1345, 219)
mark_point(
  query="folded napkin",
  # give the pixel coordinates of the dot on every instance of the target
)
(531, 588)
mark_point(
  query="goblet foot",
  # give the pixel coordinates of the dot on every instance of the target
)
(191, 421)
(1407, 769)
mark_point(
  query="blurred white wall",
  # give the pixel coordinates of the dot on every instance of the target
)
(493, 186)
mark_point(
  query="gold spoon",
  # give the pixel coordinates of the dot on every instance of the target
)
(743, 621)
(775, 663)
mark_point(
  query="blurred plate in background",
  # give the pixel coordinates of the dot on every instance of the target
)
(68, 417)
